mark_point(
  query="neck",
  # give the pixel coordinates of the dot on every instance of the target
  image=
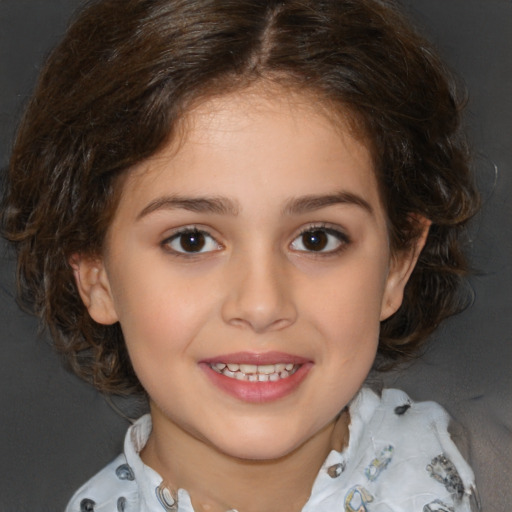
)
(218, 482)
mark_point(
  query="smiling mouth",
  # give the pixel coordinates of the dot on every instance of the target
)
(256, 373)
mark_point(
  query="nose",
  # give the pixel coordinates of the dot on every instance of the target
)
(259, 294)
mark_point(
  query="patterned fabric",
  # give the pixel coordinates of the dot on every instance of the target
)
(400, 458)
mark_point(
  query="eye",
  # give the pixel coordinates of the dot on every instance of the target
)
(191, 241)
(320, 239)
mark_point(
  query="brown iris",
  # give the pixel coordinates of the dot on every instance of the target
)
(192, 241)
(315, 240)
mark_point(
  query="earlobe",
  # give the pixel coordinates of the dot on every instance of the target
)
(402, 266)
(94, 288)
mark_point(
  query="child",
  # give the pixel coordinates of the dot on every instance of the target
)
(239, 208)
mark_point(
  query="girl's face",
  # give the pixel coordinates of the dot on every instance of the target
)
(249, 267)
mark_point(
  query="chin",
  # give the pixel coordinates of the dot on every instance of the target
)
(260, 453)
(276, 445)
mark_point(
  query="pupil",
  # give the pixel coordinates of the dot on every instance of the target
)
(192, 242)
(315, 240)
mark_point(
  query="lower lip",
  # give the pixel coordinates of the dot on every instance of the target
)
(257, 392)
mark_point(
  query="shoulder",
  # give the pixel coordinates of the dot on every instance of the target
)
(126, 484)
(405, 455)
(110, 490)
(396, 415)
(417, 427)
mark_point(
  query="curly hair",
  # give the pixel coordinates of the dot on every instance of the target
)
(111, 95)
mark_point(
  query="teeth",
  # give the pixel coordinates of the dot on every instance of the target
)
(256, 373)
(248, 368)
(267, 369)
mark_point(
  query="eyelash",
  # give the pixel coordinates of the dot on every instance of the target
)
(189, 230)
(342, 238)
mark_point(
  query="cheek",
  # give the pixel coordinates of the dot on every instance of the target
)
(158, 335)
(347, 303)
(160, 316)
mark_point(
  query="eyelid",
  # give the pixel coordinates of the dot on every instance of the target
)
(183, 230)
(330, 229)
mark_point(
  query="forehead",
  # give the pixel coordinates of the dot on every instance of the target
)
(275, 143)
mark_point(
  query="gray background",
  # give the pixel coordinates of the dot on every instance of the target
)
(57, 432)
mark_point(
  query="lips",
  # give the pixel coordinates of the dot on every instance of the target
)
(257, 377)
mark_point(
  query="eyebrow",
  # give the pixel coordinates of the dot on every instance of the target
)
(218, 205)
(311, 203)
(224, 206)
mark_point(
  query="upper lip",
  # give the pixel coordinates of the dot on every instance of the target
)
(256, 358)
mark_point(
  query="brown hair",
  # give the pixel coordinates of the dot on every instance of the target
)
(111, 94)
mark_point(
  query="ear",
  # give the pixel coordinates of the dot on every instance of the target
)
(402, 265)
(94, 288)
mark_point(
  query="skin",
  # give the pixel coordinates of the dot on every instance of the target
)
(255, 286)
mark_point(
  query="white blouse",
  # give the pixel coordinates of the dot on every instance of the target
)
(399, 458)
